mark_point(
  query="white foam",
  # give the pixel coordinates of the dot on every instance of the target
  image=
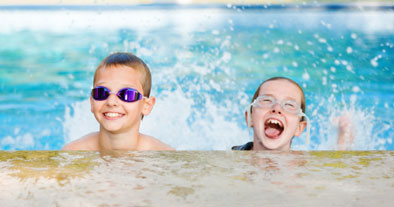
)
(69, 20)
(363, 124)
(24, 141)
(78, 121)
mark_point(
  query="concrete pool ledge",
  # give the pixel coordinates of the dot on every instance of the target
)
(196, 178)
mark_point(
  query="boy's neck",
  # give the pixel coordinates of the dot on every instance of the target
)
(258, 146)
(121, 141)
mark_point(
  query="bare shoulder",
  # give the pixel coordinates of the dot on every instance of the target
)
(151, 143)
(87, 142)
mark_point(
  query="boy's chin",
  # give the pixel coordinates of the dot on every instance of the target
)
(112, 129)
(276, 143)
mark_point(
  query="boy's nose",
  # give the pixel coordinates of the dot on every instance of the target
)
(276, 108)
(112, 100)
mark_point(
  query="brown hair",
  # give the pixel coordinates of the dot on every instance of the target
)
(130, 60)
(303, 105)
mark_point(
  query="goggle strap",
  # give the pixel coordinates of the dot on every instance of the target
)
(249, 118)
(308, 129)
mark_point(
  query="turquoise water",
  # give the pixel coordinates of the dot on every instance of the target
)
(206, 64)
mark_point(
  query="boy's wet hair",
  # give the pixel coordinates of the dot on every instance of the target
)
(256, 94)
(130, 60)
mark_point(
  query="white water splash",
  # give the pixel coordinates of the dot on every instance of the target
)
(325, 126)
(170, 122)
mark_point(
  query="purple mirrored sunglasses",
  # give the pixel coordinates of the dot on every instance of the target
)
(101, 93)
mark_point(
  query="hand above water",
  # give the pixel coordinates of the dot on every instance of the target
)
(345, 132)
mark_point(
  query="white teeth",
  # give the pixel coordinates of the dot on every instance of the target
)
(112, 114)
(274, 121)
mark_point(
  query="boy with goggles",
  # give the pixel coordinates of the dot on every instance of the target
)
(119, 100)
(277, 114)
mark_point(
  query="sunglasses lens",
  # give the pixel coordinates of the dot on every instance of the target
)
(129, 95)
(100, 93)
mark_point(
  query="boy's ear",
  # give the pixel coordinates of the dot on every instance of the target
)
(148, 105)
(248, 119)
(301, 127)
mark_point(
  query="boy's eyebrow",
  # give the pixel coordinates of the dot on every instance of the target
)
(287, 97)
(122, 85)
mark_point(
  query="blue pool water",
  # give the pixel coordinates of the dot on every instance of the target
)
(206, 64)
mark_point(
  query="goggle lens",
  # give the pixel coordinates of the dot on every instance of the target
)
(268, 101)
(101, 93)
(129, 95)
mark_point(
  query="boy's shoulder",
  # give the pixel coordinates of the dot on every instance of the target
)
(87, 142)
(151, 143)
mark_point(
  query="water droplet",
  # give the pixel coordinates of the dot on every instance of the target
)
(324, 80)
(305, 76)
(356, 89)
(374, 62)
(349, 68)
(322, 40)
(353, 35)
(334, 88)
(215, 32)
(333, 69)
(349, 50)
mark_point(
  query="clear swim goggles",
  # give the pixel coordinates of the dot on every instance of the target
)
(289, 106)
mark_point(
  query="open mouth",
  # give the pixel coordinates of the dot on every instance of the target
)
(273, 128)
(112, 115)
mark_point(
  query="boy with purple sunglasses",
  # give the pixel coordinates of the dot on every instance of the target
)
(119, 100)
